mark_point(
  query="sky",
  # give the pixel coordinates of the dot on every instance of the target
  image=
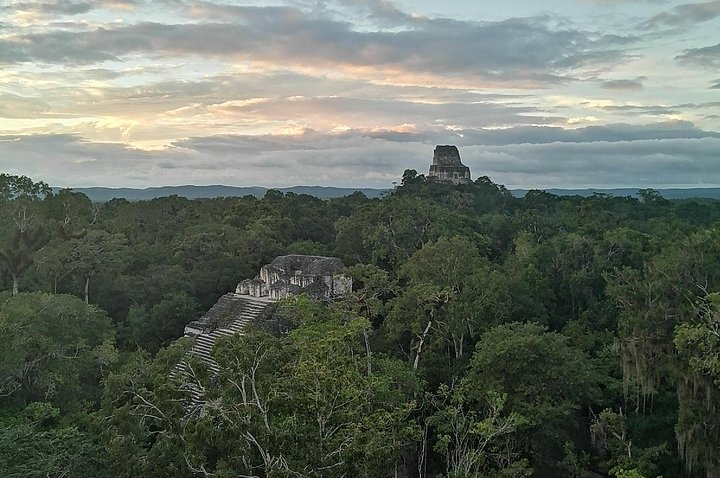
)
(535, 94)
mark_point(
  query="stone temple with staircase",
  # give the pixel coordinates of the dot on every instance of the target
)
(319, 277)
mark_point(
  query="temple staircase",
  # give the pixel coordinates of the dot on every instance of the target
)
(228, 316)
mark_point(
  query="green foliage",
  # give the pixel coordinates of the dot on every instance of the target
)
(698, 427)
(545, 379)
(307, 404)
(55, 349)
(34, 444)
(634, 473)
(23, 221)
(474, 444)
(142, 409)
(623, 458)
(163, 323)
(481, 333)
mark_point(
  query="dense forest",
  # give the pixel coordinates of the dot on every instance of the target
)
(486, 336)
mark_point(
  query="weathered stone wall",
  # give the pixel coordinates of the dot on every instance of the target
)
(446, 155)
(318, 276)
(447, 166)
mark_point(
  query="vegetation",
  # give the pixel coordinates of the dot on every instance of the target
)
(486, 336)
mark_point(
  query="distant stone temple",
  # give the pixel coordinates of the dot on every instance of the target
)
(447, 166)
(317, 276)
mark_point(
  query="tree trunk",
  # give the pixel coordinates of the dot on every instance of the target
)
(422, 459)
(15, 285)
(368, 353)
(458, 345)
(420, 345)
(87, 289)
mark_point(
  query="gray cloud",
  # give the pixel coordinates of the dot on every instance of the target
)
(527, 49)
(636, 84)
(685, 15)
(14, 106)
(242, 160)
(226, 102)
(658, 110)
(612, 133)
(644, 163)
(62, 7)
(620, 2)
(316, 110)
(384, 12)
(706, 57)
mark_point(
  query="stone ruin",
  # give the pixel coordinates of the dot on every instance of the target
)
(447, 166)
(319, 277)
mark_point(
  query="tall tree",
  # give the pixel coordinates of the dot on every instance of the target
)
(23, 223)
(698, 428)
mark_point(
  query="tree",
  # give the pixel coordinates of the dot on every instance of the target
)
(698, 428)
(610, 435)
(656, 299)
(164, 322)
(431, 302)
(55, 348)
(94, 252)
(34, 443)
(143, 407)
(546, 380)
(22, 216)
(475, 444)
(388, 233)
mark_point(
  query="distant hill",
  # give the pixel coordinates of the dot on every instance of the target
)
(672, 193)
(99, 194)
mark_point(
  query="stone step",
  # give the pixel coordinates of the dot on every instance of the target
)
(203, 352)
(241, 310)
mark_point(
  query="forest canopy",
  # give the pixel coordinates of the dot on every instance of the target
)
(485, 336)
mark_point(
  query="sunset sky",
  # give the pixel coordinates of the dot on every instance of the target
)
(558, 93)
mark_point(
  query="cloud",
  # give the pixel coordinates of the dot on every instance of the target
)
(515, 50)
(636, 84)
(612, 133)
(657, 110)
(706, 57)
(654, 110)
(620, 2)
(383, 12)
(643, 163)
(326, 112)
(62, 7)
(14, 106)
(685, 15)
(234, 160)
